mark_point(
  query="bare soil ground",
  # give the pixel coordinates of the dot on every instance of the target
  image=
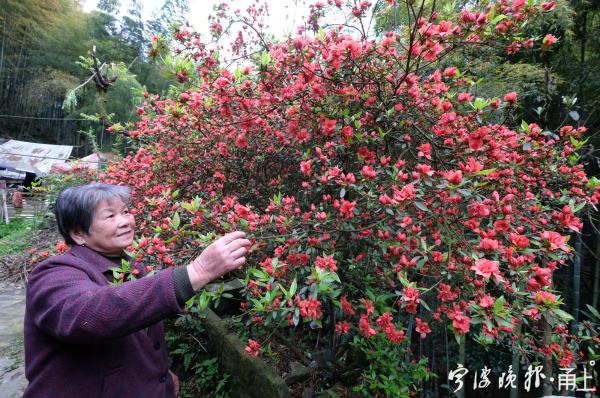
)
(15, 267)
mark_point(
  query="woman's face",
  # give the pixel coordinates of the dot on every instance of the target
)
(112, 228)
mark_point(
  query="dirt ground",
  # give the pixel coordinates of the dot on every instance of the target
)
(15, 268)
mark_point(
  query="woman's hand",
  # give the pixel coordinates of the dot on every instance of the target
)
(222, 256)
(175, 382)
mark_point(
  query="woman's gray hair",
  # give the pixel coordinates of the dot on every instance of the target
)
(75, 206)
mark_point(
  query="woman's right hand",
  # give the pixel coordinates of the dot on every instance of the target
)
(220, 257)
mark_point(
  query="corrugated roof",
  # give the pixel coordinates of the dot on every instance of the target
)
(32, 156)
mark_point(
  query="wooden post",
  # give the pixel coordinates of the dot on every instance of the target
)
(4, 199)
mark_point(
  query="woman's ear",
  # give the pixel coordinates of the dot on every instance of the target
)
(78, 237)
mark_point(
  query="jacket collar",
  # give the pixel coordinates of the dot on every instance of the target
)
(90, 256)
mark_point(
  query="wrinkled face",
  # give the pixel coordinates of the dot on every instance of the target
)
(112, 229)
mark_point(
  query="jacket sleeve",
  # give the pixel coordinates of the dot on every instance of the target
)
(65, 303)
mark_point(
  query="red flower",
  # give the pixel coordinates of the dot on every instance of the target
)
(453, 176)
(407, 192)
(368, 172)
(548, 41)
(253, 347)
(486, 301)
(520, 241)
(368, 304)
(342, 327)
(347, 208)
(422, 327)
(364, 326)
(450, 71)
(545, 298)
(463, 97)
(61, 247)
(425, 151)
(568, 219)
(445, 293)
(310, 308)
(511, 97)
(326, 264)
(461, 323)
(517, 4)
(305, 167)
(554, 241)
(487, 269)
(385, 322)
(488, 245)
(410, 297)
(346, 306)
(549, 5)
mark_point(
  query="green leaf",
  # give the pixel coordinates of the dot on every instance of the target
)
(480, 103)
(293, 288)
(498, 19)
(260, 274)
(421, 206)
(265, 58)
(504, 322)
(565, 316)
(485, 172)
(593, 311)
(258, 305)
(499, 305)
(342, 192)
(175, 221)
(458, 338)
(574, 115)
(403, 280)
(593, 182)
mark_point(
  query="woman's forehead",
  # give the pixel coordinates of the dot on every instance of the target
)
(110, 204)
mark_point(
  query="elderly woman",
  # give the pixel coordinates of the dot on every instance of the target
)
(85, 337)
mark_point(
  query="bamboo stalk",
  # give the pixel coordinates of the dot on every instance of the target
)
(548, 372)
(576, 283)
(2, 56)
(461, 360)
(596, 289)
(516, 366)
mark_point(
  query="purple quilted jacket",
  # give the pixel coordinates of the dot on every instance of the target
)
(86, 338)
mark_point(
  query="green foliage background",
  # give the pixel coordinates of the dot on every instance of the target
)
(41, 43)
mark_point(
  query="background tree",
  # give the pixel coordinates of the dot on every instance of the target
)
(40, 45)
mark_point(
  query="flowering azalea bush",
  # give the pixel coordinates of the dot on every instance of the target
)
(384, 199)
